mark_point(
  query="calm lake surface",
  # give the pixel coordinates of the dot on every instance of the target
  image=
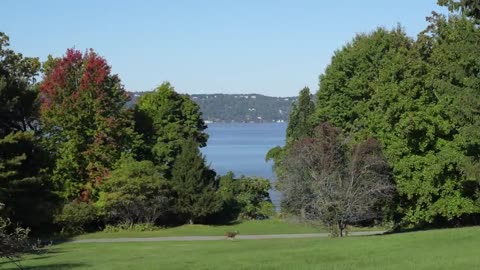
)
(241, 148)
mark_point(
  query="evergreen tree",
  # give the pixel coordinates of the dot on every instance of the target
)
(195, 184)
(24, 189)
(299, 126)
(300, 122)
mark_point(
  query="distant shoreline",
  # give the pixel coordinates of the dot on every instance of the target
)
(237, 122)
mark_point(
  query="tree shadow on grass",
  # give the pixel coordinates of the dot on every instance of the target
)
(35, 258)
(229, 223)
(53, 266)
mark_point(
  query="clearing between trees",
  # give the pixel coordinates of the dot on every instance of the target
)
(435, 249)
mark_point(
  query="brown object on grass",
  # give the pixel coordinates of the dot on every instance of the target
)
(231, 235)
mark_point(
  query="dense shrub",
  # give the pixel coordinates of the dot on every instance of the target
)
(244, 198)
(76, 217)
(136, 192)
(126, 227)
(254, 199)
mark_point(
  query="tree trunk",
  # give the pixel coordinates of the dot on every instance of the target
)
(341, 227)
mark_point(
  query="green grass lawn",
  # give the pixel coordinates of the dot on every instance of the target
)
(255, 227)
(269, 226)
(436, 249)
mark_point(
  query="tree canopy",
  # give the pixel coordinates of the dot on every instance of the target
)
(84, 120)
(330, 181)
(419, 99)
(194, 183)
(166, 118)
(24, 187)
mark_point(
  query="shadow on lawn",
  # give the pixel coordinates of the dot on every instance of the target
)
(230, 223)
(53, 266)
(18, 264)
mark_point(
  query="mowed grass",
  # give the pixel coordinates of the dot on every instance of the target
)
(269, 226)
(436, 249)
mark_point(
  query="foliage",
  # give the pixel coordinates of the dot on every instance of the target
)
(347, 81)
(423, 112)
(23, 184)
(18, 110)
(470, 8)
(84, 120)
(76, 217)
(165, 118)
(253, 198)
(300, 122)
(238, 108)
(328, 182)
(135, 192)
(23, 187)
(227, 192)
(244, 198)
(276, 155)
(195, 184)
(15, 243)
(128, 227)
(299, 126)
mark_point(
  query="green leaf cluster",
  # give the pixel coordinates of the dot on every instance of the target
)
(420, 99)
(165, 118)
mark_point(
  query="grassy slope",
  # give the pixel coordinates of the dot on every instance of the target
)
(270, 226)
(436, 249)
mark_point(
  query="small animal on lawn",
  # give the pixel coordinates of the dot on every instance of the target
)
(231, 235)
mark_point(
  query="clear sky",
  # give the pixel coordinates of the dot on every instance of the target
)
(271, 47)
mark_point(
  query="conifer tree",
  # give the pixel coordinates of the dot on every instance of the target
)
(194, 183)
(299, 124)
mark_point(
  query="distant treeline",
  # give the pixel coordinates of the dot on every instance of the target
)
(241, 108)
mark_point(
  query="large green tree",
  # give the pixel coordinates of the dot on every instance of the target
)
(84, 120)
(419, 99)
(165, 118)
(346, 84)
(18, 95)
(195, 184)
(24, 189)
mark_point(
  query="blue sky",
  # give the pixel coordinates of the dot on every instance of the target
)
(263, 46)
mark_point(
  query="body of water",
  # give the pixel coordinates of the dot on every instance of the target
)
(241, 148)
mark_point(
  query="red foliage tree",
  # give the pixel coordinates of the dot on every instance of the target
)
(86, 124)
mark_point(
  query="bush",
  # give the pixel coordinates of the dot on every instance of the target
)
(13, 240)
(76, 216)
(135, 193)
(254, 199)
(125, 227)
(245, 198)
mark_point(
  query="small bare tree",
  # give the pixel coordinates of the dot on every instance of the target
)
(326, 180)
(14, 240)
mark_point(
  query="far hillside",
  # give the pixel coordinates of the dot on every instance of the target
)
(241, 108)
